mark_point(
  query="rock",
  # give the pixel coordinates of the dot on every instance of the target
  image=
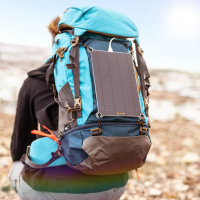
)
(123, 197)
(158, 186)
(151, 157)
(196, 198)
(161, 161)
(171, 175)
(147, 183)
(188, 142)
(154, 192)
(4, 151)
(189, 180)
(6, 142)
(126, 196)
(191, 157)
(5, 161)
(181, 187)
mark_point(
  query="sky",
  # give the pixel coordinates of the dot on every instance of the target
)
(169, 30)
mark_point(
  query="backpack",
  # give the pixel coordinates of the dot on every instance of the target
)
(102, 95)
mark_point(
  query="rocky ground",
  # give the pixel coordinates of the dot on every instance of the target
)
(172, 170)
(6, 126)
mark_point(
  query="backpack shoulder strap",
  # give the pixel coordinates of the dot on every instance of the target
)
(144, 78)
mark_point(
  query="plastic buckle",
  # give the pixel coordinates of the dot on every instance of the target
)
(143, 130)
(60, 52)
(71, 116)
(77, 104)
(69, 110)
(74, 41)
(95, 131)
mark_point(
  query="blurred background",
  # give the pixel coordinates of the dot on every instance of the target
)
(170, 37)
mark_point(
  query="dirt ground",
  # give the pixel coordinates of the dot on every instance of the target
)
(172, 170)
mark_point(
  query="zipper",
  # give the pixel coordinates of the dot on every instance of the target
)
(103, 124)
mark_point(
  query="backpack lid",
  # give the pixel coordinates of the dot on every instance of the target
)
(98, 20)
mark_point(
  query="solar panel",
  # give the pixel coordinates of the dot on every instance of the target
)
(115, 84)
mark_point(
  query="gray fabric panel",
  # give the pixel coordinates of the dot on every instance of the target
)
(115, 83)
(65, 95)
(129, 154)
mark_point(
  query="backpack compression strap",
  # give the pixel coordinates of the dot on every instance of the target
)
(74, 65)
(55, 58)
(26, 160)
(144, 78)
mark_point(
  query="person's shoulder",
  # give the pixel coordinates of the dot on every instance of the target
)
(29, 81)
(32, 83)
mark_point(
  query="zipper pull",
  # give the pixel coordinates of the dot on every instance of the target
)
(97, 131)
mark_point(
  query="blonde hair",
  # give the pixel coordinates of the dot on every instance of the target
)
(53, 27)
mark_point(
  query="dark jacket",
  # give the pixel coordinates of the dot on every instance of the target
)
(36, 105)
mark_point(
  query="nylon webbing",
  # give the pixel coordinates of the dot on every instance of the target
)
(74, 59)
(144, 79)
(143, 73)
(25, 159)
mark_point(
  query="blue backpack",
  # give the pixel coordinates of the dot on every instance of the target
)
(102, 96)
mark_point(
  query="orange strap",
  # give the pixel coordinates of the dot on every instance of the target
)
(51, 135)
(137, 173)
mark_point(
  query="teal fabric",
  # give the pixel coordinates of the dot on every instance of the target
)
(63, 75)
(85, 86)
(40, 152)
(61, 71)
(79, 31)
(100, 20)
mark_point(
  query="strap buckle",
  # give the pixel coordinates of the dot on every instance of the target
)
(71, 116)
(70, 110)
(143, 130)
(74, 41)
(68, 107)
(77, 104)
(60, 52)
(95, 131)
